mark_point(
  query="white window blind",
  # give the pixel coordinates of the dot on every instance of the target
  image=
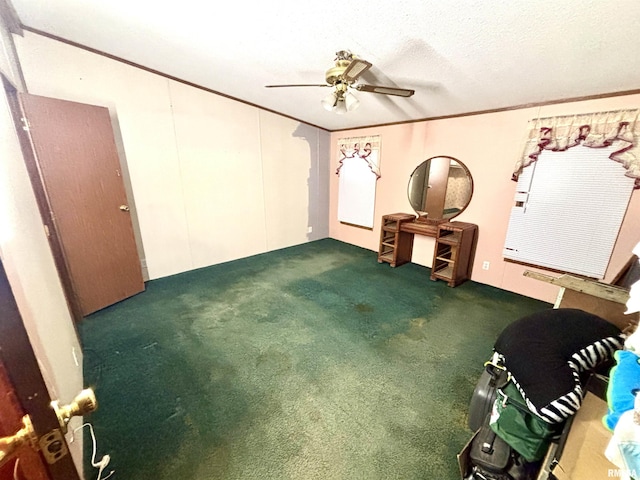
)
(359, 170)
(567, 211)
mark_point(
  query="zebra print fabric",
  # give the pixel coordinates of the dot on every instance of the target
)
(583, 360)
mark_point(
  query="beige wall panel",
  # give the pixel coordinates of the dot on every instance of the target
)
(288, 170)
(30, 267)
(141, 113)
(218, 142)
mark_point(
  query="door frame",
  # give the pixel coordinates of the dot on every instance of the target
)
(42, 200)
(22, 367)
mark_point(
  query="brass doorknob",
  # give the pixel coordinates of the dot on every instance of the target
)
(9, 445)
(124, 208)
(85, 402)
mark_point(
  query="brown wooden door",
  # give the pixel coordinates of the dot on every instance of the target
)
(23, 391)
(78, 165)
(438, 175)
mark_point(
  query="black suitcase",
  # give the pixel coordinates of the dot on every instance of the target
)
(484, 395)
(489, 455)
(491, 458)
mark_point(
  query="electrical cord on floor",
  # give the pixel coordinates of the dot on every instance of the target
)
(104, 461)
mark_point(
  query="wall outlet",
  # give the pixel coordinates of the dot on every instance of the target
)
(310, 230)
(485, 265)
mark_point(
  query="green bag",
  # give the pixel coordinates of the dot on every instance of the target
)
(512, 421)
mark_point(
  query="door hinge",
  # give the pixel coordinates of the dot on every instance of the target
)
(25, 124)
(46, 230)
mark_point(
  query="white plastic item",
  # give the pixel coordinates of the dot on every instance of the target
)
(633, 304)
(623, 449)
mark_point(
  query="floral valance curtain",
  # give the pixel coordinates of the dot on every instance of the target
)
(366, 148)
(620, 129)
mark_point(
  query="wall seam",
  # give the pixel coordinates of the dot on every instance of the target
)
(178, 156)
(264, 195)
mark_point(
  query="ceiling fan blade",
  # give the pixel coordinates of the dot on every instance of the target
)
(356, 68)
(400, 92)
(299, 85)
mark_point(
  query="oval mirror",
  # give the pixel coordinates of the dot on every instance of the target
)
(440, 188)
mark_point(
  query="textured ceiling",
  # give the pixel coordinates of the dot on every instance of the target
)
(459, 57)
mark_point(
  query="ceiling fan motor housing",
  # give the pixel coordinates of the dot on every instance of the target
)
(334, 74)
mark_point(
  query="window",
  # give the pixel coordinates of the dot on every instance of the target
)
(359, 170)
(568, 209)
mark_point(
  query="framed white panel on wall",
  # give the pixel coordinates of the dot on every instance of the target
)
(359, 170)
(568, 209)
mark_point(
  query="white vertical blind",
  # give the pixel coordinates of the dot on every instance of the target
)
(567, 211)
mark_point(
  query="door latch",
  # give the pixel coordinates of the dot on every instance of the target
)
(52, 444)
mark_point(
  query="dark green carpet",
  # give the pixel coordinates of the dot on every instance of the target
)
(312, 362)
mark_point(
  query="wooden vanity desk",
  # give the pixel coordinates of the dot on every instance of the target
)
(421, 228)
(439, 189)
(455, 242)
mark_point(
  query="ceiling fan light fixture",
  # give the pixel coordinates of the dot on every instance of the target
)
(341, 108)
(350, 101)
(340, 102)
(330, 102)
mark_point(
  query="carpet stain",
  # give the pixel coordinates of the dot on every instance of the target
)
(311, 362)
(416, 329)
(273, 361)
(364, 308)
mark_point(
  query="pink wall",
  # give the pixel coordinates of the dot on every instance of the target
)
(489, 146)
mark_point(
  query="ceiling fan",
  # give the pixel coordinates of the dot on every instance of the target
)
(342, 77)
